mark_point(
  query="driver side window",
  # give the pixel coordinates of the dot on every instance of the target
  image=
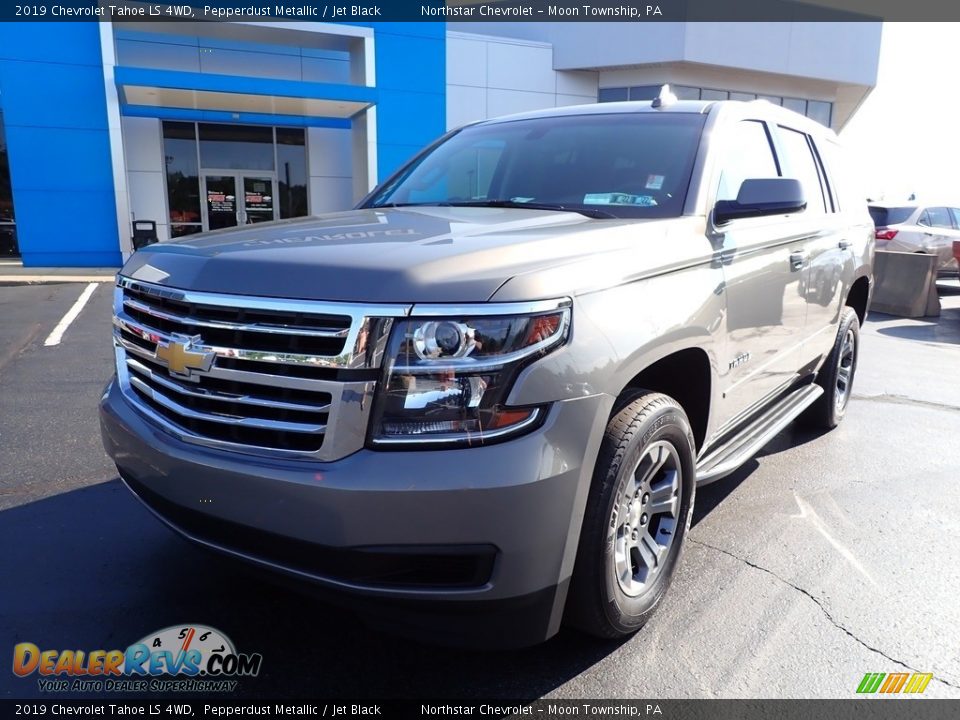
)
(749, 155)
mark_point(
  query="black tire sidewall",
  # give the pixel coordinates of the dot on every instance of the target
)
(829, 381)
(669, 424)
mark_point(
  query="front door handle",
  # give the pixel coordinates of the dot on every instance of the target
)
(845, 244)
(797, 259)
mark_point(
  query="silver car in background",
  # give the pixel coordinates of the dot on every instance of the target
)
(906, 227)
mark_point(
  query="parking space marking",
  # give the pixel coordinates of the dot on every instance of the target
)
(56, 336)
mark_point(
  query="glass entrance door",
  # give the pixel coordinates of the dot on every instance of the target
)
(238, 199)
(259, 197)
(221, 206)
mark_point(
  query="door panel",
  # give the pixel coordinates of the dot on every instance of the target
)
(765, 275)
(827, 284)
(937, 226)
(764, 262)
(220, 192)
(829, 251)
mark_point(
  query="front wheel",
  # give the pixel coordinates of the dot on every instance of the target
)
(836, 375)
(637, 515)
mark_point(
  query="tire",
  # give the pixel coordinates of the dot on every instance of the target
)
(836, 376)
(619, 578)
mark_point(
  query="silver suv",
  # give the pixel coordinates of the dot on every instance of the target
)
(479, 405)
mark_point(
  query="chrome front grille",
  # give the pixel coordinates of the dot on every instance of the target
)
(257, 375)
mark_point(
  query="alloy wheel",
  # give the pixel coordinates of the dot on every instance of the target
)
(645, 518)
(845, 367)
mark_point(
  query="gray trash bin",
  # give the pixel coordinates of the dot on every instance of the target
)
(906, 284)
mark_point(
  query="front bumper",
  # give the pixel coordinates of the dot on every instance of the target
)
(430, 535)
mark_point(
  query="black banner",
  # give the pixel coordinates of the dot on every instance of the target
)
(876, 709)
(490, 11)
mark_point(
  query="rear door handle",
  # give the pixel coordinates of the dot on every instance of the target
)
(797, 259)
(845, 244)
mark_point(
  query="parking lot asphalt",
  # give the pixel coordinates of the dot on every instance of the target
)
(826, 557)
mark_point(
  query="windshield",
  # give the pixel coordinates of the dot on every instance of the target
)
(883, 216)
(625, 165)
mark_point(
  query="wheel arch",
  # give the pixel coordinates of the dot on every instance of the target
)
(858, 297)
(686, 375)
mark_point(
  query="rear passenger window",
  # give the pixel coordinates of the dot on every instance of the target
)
(938, 217)
(801, 164)
(956, 216)
(843, 181)
(750, 156)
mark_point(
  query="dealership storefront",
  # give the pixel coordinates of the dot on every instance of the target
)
(221, 175)
(198, 126)
(195, 126)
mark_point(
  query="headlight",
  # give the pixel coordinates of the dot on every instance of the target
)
(446, 379)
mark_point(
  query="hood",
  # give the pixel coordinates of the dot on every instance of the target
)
(401, 255)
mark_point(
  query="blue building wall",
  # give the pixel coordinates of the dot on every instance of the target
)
(411, 86)
(54, 107)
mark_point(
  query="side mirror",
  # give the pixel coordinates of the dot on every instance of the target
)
(762, 197)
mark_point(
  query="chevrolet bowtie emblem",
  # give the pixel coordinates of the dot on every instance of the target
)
(180, 359)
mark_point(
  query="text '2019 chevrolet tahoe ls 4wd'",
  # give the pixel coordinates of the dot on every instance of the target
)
(480, 403)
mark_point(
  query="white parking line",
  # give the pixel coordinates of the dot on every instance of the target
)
(56, 336)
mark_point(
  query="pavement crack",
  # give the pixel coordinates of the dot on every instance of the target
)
(17, 348)
(823, 608)
(904, 400)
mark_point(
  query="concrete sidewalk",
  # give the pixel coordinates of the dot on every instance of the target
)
(13, 273)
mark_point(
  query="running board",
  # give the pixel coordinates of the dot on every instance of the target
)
(726, 458)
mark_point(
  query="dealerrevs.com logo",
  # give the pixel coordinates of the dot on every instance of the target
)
(180, 658)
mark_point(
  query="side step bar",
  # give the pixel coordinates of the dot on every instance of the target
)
(726, 458)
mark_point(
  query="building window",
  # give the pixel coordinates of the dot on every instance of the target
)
(818, 110)
(292, 172)
(644, 92)
(708, 94)
(183, 177)
(685, 92)
(236, 147)
(795, 104)
(227, 56)
(613, 94)
(221, 175)
(8, 225)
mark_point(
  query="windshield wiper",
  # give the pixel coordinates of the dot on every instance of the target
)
(588, 212)
(411, 204)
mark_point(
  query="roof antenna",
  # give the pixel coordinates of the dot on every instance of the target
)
(665, 98)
